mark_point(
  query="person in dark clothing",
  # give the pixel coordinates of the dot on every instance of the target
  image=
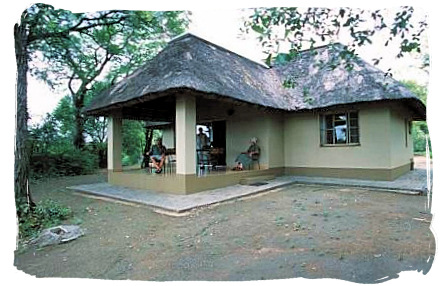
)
(157, 155)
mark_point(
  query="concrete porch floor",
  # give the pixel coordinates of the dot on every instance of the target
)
(413, 183)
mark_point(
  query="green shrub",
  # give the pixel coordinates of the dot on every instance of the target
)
(69, 163)
(132, 159)
(46, 214)
(419, 133)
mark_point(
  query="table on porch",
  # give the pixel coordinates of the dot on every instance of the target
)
(211, 158)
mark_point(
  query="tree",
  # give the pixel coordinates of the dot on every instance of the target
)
(122, 41)
(305, 27)
(44, 136)
(420, 131)
(63, 118)
(41, 33)
(21, 165)
(95, 128)
(133, 141)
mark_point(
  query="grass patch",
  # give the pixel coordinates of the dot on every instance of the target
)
(47, 213)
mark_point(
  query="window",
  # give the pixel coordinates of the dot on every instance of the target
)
(339, 129)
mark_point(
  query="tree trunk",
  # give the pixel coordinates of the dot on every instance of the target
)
(79, 141)
(147, 146)
(148, 139)
(21, 166)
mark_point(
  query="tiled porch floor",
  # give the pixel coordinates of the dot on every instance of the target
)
(414, 183)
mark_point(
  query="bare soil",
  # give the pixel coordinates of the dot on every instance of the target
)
(301, 231)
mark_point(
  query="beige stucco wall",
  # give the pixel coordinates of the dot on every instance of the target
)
(293, 140)
(251, 122)
(239, 130)
(378, 129)
(276, 141)
(401, 153)
(185, 184)
(290, 144)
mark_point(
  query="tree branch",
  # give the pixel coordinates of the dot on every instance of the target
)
(70, 84)
(76, 28)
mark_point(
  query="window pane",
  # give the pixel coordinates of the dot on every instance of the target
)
(340, 117)
(353, 118)
(328, 123)
(340, 134)
(340, 127)
(329, 137)
(354, 131)
(353, 115)
(355, 137)
(354, 122)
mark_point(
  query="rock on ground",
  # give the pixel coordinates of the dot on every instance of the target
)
(58, 234)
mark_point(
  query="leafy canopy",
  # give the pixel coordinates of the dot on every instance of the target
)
(302, 28)
(85, 52)
(77, 46)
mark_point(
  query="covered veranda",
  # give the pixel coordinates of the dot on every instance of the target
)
(183, 109)
(194, 82)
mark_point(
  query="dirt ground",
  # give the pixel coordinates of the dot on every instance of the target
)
(300, 231)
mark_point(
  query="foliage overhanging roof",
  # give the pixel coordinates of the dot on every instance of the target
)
(189, 62)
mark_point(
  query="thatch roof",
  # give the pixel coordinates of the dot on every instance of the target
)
(189, 62)
(316, 77)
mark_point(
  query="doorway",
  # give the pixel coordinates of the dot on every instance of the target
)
(213, 153)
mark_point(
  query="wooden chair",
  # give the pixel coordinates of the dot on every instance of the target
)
(170, 160)
(170, 163)
(255, 158)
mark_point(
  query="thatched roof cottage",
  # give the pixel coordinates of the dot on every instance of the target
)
(310, 116)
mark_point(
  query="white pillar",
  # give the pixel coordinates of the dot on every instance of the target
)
(114, 143)
(185, 135)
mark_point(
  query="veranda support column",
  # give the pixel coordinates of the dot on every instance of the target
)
(114, 143)
(185, 135)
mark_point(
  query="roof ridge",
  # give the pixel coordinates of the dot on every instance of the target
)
(189, 34)
(192, 34)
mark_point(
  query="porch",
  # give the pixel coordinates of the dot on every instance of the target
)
(413, 183)
(229, 123)
(180, 184)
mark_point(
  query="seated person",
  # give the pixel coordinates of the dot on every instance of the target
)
(245, 159)
(157, 155)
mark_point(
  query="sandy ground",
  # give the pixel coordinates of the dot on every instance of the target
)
(301, 231)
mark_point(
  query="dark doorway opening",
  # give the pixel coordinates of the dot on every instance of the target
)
(212, 154)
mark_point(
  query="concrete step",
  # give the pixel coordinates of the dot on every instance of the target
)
(256, 179)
